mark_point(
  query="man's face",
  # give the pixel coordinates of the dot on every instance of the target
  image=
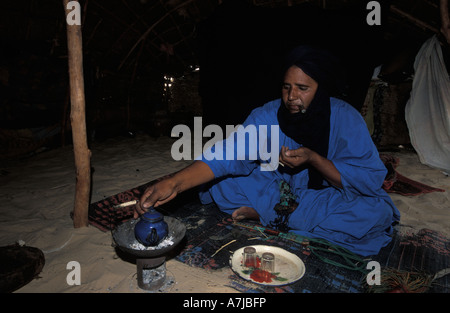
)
(298, 90)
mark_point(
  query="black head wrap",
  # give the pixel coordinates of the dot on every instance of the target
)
(312, 128)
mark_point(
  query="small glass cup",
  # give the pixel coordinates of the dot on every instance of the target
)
(249, 258)
(268, 262)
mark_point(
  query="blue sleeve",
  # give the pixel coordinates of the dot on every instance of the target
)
(239, 153)
(353, 153)
(223, 165)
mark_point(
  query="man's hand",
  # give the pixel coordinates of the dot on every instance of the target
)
(303, 155)
(155, 195)
(165, 190)
(297, 157)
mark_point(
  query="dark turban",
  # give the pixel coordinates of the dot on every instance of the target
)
(312, 128)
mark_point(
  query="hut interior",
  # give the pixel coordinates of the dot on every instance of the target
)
(149, 65)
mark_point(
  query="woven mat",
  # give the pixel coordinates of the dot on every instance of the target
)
(208, 230)
(424, 251)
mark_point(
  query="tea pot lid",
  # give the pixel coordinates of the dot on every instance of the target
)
(152, 215)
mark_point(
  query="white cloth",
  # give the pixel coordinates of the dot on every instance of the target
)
(428, 109)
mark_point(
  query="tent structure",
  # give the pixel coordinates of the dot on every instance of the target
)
(150, 64)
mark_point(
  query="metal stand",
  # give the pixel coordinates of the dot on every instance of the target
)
(151, 273)
(151, 264)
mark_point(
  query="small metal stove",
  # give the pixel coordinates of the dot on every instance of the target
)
(151, 264)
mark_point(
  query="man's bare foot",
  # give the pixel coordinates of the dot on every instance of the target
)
(245, 212)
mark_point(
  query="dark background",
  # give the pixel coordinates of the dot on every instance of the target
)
(237, 44)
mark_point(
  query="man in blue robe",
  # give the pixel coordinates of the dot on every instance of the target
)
(329, 163)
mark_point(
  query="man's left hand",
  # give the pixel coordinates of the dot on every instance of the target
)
(297, 157)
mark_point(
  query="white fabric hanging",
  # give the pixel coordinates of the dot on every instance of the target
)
(428, 109)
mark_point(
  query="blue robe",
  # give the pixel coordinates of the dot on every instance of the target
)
(358, 217)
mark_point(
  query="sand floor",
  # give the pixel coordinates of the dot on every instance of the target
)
(37, 196)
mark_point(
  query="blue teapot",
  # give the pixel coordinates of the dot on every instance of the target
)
(151, 229)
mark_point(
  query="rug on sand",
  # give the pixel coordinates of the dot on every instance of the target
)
(397, 183)
(212, 237)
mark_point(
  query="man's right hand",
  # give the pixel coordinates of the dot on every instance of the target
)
(155, 195)
(168, 188)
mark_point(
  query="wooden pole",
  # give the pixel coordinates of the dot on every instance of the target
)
(445, 20)
(414, 20)
(78, 121)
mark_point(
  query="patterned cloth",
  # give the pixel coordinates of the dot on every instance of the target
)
(208, 229)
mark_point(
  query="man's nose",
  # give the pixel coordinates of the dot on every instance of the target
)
(292, 95)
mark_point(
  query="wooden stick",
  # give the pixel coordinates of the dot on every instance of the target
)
(414, 20)
(125, 204)
(223, 247)
(78, 120)
(445, 19)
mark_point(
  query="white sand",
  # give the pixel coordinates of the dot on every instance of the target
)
(430, 210)
(37, 196)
